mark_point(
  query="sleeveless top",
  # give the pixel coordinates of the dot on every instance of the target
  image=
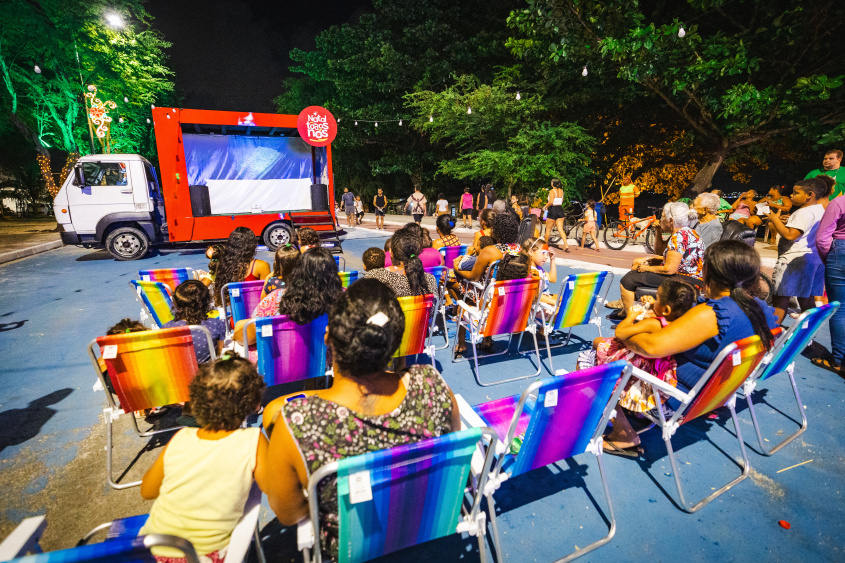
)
(733, 326)
(325, 431)
(553, 195)
(381, 201)
(249, 275)
(450, 240)
(466, 201)
(743, 209)
(205, 487)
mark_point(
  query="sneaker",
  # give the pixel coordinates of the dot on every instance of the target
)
(613, 304)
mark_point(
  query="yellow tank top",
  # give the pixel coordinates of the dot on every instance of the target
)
(205, 487)
(627, 191)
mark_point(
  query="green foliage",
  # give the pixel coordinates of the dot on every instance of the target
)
(74, 48)
(743, 73)
(507, 140)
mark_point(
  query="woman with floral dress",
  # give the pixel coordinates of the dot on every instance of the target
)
(366, 409)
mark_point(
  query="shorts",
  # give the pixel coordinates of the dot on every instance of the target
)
(466, 211)
(418, 217)
(350, 210)
(555, 213)
(635, 280)
(738, 216)
(379, 212)
(798, 277)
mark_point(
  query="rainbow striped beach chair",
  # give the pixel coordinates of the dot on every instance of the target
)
(147, 370)
(288, 351)
(155, 298)
(782, 358)
(441, 274)
(449, 253)
(171, 277)
(419, 310)
(716, 388)
(244, 297)
(338, 260)
(348, 278)
(579, 303)
(22, 546)
(552, 420)
(396, 498)
(506, 308)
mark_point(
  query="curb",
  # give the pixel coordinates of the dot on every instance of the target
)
(30, 251)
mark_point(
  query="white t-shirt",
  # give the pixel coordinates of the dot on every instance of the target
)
(359, 206)
(442, 205)
(806, 220)
(417, 203)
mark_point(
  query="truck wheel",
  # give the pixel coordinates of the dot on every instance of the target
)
(127, 243)
(276, 235)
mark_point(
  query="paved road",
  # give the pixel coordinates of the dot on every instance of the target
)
(52, 458)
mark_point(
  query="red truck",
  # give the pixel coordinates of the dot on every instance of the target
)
(219, 170)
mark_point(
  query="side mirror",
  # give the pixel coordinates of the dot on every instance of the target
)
(79, 176)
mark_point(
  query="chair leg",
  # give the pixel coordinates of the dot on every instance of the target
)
(789, 438)
(549, 351)
(494, 527)
(746, 467)
(109, 448)
(445, 328)
(611, 530)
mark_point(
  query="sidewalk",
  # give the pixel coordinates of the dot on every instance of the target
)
(20, 238)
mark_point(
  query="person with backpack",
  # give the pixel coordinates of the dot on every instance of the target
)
(416, 203)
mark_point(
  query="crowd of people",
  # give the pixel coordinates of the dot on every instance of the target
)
(704, 299)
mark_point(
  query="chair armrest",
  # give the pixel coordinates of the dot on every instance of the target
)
(242, 535)
(23, 539)
(472, 311)
(661, 385)
(468, 416)
(304, 534)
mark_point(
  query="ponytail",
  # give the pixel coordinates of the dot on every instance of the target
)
(406, 248)
(754, 313)
(416, 275)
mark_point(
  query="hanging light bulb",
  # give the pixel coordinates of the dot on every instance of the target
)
(430, 118)
(400, 123)
(338, 120)
(153, 106)
(168, 116)
(120, 120)
(376, 123)
(356, 123)
(126, 99)
(681, 31)
(469, 110)
(584, 72)
(518, 97)
(148, 120)
(37, 69)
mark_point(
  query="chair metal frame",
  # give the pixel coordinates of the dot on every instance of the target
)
(337, 260)
(595, 318)
(26, 537)
(441, 299)
(688, 400)
(473, 519)
(595, 447)
(137, 291)
(782, 358)
(113, 411)
(475, 329)
(349, 275)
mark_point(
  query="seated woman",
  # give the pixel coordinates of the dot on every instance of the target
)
(445, 224)
(367, 408)
(708, 228)
(742, 207)
(485, 224)
(728, 313)
(238, 262)
(406, 276)
(775, 201)
(429, 256)
(505, 232)
(681, 257)
(285, 260)
(192, 306)
(310, 290)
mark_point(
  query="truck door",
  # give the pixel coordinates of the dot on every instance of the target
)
(108, 189)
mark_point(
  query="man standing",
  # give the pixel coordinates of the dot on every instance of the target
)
(348, 199)
(380, 203)
(627, 194)
(830, 167)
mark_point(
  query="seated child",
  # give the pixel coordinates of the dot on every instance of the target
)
(674, 298)
(308, 238)
(286, 258)
(202, 479)
(122, 327)
(214, 253)
(539, 253)
(373, 259)
(192, 306)
(468, 260)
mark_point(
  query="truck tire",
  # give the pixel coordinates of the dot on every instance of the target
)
(276, 235)
(127, 243)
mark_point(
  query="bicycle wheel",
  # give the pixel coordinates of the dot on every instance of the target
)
(554, 235)
(616, 235)
(765, 288)
(569, 224)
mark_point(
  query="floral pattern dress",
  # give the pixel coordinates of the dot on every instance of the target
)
(688, 244)
(325, 431)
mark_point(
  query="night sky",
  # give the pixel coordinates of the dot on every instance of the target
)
(233, 54)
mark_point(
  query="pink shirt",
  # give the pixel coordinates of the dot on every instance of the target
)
(430, 257)
(466, 201)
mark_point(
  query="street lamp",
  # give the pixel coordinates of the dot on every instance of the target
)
(114, 20)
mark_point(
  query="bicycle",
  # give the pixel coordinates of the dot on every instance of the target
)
(618, 233)
(570, 222)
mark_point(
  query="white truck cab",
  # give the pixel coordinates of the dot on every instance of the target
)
(112, 201)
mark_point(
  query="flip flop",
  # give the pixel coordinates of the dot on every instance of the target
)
(616, 315)
(825, 363)
(613, 449)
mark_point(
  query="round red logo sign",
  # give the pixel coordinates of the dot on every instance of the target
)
(316, 126)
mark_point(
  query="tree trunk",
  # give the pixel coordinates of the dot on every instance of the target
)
(43, 153)
(703, 179)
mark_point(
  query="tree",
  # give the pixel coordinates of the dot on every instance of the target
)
(492, 134)
(746, 73)
(51, 51)
(362, 72)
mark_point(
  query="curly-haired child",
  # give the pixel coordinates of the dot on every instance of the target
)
(202, 479)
